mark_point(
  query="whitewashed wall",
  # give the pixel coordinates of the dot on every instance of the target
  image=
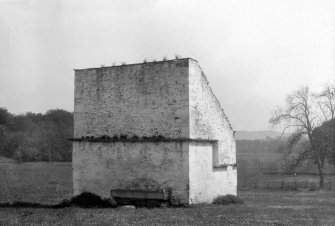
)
(207, 118)
(101, 167)
(207, 182)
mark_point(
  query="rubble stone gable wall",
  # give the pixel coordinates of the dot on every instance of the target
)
(141, 99)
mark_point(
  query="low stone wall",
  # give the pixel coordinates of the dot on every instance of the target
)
(285, 182)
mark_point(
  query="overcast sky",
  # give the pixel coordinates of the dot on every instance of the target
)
(253, 52)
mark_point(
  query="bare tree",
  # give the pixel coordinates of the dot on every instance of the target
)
(324, 140)
(301, 118)
(326, 102)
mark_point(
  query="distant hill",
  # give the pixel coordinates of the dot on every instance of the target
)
(256, 135)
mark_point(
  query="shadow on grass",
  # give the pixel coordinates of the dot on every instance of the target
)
(90, 200)
(84, 200)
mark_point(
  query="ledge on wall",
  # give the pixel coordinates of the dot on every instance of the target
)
(224, 166)
(133, 139)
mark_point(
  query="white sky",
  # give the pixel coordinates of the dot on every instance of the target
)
(253, 52)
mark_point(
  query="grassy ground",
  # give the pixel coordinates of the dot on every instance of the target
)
(260, 208)
(49, 183)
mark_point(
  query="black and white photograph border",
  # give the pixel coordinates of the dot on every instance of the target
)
(167, 112)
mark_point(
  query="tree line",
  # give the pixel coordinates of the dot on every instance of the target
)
(36, 136)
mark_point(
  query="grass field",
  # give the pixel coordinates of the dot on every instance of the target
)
(50, 183)
(260, 208)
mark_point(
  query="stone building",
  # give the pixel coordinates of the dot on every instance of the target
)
(150, 127)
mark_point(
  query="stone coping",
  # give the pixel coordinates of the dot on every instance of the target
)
(143, 63)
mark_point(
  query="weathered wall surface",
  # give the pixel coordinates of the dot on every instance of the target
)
(141, 99)
(207, 118)
(100, 167)
(206, 182)
(171, 99)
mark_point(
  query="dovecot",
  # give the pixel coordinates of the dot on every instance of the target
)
(142, 129)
